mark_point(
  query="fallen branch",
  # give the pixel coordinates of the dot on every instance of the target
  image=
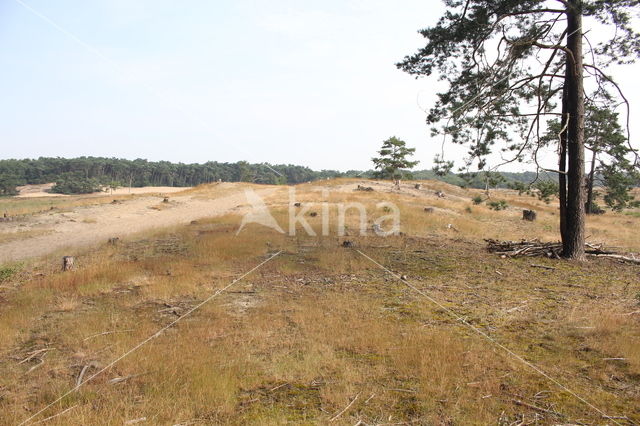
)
(117, 380)
(537, 248)
(550, 268)
(56, 415)
(344, 410)
(536, 408)
(83, 371)
(618, 257)
(33, 354)
(134, 421)
(105, 333)
(41, 361)
(278, 387)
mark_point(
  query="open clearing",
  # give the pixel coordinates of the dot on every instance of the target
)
(36, 191)
(320, 333)
(48, 231)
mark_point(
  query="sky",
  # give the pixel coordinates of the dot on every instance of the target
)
(295, 82)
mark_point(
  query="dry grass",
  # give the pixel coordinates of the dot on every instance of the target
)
(320, 325)
(6, 237)
(26, 206)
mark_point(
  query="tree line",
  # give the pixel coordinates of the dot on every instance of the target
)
(90, 174)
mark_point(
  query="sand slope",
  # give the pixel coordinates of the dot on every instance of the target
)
(96, 224)
(43, 190)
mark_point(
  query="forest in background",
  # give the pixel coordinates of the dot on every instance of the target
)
(91, 174)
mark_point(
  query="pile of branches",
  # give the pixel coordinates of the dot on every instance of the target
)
(537, 248)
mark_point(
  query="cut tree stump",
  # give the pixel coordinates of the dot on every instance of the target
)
(529, 215)
(67, 263)
(364, 188)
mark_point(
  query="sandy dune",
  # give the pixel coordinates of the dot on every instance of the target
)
(32, 191)
(85, 226)
(96, 224)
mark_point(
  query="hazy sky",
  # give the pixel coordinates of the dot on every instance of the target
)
(310, 83)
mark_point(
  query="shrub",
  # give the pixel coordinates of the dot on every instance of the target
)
(546, 189)
(518, 186)
(477, 200)
(7, 272)
(71, 183)
(498, 205)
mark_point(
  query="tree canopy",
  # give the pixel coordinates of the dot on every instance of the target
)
(510, 66)
(393, 159)
(85, 174)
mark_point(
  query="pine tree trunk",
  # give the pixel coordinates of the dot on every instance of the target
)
(562, 163)
(592, 172)
(573, 241)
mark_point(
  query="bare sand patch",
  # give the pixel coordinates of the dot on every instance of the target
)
(86, 226)
(44, 190)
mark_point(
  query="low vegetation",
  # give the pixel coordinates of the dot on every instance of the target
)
(320, 332)
(497, 205)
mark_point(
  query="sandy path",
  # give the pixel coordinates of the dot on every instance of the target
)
(96, 224)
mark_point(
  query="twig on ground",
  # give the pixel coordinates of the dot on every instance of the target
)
(105, 333)
(83, 371)
(617, 257)
(535, 407)
(334, 418)
(117, 380)
(403, 390)
(134, 421)
(278, 387)
(551, 268)
(537, 248)
(41, 361)
(33, 354)
(55, 415)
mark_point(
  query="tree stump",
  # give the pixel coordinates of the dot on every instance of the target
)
(364, 188)
(529, 215)
(67, 263)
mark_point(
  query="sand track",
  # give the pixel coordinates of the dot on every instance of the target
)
(86, 226)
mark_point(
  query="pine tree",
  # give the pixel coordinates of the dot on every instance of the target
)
(393, 159)
(509, 64)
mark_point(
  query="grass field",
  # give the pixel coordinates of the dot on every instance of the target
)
(321, 333)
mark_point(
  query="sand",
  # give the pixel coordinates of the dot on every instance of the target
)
(32, 191)
(86, 226)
